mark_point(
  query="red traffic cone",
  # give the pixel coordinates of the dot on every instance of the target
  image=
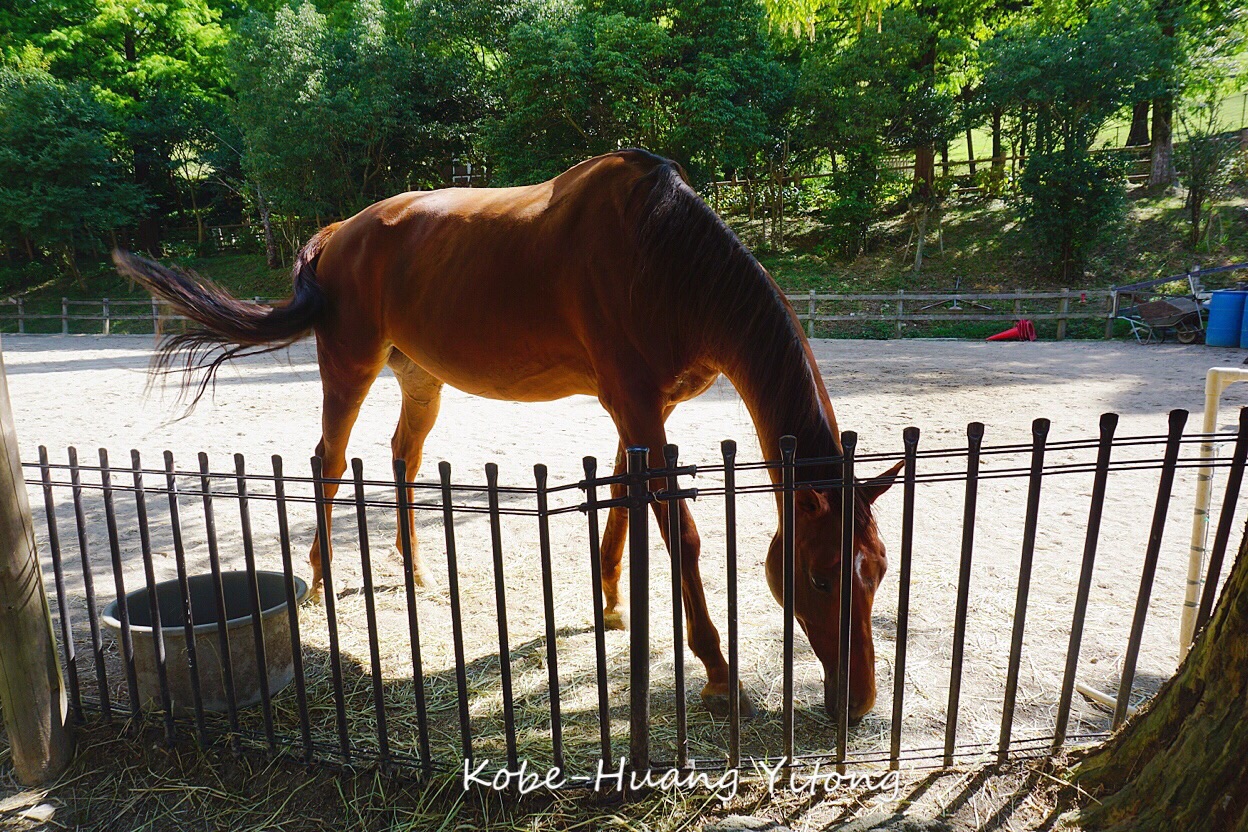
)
(1021, 331)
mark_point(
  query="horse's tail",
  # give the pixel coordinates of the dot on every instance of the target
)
(227, 327)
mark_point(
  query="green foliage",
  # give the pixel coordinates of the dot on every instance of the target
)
(1071, 200)
(196, 112)
(692, 80)
(61, 181)
(333, 120)
(1061, 84)
(1067, 81)
(860, 103)
(1209, 161)
(159, 66)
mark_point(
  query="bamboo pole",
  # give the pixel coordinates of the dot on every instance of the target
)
(32, 693)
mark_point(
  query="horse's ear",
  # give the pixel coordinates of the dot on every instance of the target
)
(811, 501)
(873, 488)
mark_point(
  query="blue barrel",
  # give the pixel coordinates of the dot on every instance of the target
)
(1226, 318)
(1243, 329)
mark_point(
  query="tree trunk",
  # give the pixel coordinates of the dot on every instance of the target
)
(1178, 764)
(970, 150)
(998, 155)
(922, 234)
(1161, 173)
(32, 692)
(1138, 137)
(270, 242)
(924, 171)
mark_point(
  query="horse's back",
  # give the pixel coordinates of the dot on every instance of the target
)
(504, 292)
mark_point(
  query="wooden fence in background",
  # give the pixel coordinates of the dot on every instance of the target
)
(900, 309)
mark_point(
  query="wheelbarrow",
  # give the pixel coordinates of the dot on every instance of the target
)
(1158, 317)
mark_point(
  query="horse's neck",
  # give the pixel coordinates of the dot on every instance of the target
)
(770, 363)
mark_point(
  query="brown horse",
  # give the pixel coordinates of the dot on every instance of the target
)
(613, 279)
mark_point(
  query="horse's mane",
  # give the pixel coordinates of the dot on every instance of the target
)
(720, 294)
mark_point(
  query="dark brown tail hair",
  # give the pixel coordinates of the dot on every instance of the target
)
(228, 328)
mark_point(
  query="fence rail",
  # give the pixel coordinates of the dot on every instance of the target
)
(813, 309)
(358, 701)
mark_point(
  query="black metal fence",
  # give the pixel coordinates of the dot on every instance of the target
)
(418, 683)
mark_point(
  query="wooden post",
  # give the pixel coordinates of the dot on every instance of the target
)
(107, 326)
(1109, 316)
(901, 311)
(21, 316)
(64, 316)
(1063, 309)
(155, 316)
(810, 315)
(1018, 303)
(32, 693)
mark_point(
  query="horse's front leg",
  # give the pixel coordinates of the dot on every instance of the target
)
(639, 415)
(700, 631)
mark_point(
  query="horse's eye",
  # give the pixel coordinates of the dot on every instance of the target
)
(821, 584)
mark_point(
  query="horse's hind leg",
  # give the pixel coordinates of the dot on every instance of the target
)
(422, 396)
(613, 536)
(346, 377)
(612, 551)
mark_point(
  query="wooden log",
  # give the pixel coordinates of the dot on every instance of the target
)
(32, 693)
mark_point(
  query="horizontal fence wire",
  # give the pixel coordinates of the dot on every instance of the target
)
(953, 454)
(104, 680)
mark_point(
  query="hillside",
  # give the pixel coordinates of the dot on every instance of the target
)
(983, 249)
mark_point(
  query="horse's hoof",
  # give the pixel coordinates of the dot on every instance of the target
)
(421, 578)
(715, 696)
(314, 594)
(613, 620)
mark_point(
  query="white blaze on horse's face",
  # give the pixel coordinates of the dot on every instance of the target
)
(817, 572)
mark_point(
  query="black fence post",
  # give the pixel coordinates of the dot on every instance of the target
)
(457, 622)
(910, 439)
(974, 438)
(729, 449)
(788, 453)
(548, 609)
(1109, 423)
(153, 601)
(88, 587)
(1178, 419)
(670, 458)
(1233, 482)
(849, 444)
(639, 609)
(1039, 434)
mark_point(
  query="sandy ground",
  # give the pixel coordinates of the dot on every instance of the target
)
(89, 391)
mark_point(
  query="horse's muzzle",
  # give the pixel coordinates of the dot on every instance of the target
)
(858, 706)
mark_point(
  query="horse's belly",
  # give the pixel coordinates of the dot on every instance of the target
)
(510, 372)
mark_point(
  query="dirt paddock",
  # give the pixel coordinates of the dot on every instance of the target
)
(89, 392)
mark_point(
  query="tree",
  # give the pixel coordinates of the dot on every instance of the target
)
(334, 119)
(1207, 162)
(62, 184)
(692, 80)
(1178, 764)
(1065, 82)
(858, 99)
(1198, 40)
(159, 65)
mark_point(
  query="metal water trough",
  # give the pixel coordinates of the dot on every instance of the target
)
(206, 641)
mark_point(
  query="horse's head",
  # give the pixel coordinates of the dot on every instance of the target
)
(817, 581)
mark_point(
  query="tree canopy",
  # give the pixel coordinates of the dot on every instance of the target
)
(188, 112)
